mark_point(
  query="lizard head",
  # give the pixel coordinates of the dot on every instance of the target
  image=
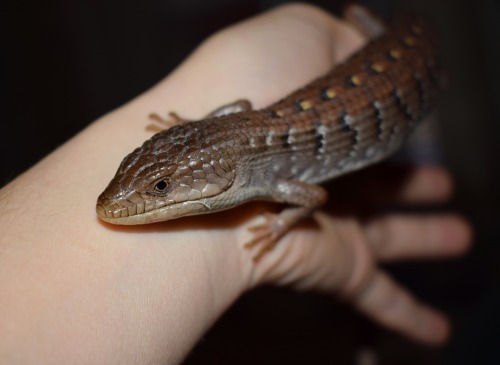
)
(160, 181)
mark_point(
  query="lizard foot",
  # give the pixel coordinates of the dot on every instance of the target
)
(164, 123)
(266, 235)
(161, 123)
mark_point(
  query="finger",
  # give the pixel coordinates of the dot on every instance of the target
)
(393, 307)
(425, 184)
(401, 237)
(389, 184)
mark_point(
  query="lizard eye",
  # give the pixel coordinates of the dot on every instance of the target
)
(160, 187)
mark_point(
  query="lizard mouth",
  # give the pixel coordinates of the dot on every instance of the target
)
(124, 212)
(127, 210)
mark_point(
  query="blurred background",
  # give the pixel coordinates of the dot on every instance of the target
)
(65, 63)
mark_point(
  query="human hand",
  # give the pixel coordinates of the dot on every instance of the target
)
(265, 58)
(96, 289)
(342, 256)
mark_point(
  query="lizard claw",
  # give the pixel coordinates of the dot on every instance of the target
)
(265, 235)
(165, 123)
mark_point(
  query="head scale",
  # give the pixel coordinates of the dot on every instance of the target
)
(161, 179)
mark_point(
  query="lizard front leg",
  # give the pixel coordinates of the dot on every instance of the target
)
(241, 105)
(304, 197)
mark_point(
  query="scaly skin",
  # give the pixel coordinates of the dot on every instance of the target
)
(356, 115)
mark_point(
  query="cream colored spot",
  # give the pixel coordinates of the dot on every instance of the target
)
(356, 80)
(330, 93)
(378, 67)
(396, 54)
(280, 113)
(305, 105)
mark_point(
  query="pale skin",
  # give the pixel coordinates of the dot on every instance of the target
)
(76, 290)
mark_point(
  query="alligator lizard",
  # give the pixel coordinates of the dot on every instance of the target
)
(356, 115)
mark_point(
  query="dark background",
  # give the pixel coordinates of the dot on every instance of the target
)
(65, 63)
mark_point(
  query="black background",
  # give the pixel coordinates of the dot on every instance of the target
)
(65, 63)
